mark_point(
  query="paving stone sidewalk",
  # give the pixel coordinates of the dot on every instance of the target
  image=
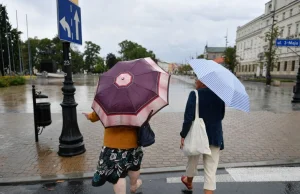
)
(249, 137)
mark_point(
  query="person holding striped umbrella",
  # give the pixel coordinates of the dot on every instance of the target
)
(216, 86)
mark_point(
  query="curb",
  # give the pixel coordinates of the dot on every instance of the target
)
(74, 176)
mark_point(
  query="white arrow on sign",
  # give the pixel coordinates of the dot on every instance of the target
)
(76, 18)
(65, 26)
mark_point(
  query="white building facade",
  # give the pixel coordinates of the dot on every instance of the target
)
(251, 44)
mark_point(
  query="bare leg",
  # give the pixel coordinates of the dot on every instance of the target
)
(120, 187)
(135, 182)
(208, 192)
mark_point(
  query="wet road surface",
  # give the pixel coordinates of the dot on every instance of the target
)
(153, 184)
(18, 99)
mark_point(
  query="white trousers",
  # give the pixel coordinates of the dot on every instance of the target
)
(210, 163)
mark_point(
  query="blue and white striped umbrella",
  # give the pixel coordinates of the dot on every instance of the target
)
(222, 82)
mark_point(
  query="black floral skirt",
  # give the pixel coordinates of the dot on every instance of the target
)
(115, 163)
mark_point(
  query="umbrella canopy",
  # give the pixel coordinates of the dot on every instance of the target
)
(128, 92)
(222, 82)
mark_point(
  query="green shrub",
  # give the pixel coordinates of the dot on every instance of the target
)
(18, 80)
(3, 82)
(12, 81)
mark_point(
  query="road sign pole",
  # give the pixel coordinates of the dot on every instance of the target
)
(296, 98)
(70, 140)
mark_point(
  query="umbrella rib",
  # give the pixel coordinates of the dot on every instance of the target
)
(144, 88)
(147, 72)
(130, 100)
(135, 63)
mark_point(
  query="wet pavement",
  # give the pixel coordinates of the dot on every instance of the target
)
(18, 99)
(269, 132)
(265, 98)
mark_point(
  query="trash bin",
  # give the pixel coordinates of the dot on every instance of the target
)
(43, 114)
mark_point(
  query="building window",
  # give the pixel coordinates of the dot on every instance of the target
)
(278, 66)
(293, 65)
(267, 22)
(214, 56)
(285, 66)
(253, 67)
(289, 30)
(297, 29)
(281, 32)
(242, 68)
(291, 12)
(283, 16)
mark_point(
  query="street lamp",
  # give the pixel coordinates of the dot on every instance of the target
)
(296, 97)
(70, 140)
(8, 51)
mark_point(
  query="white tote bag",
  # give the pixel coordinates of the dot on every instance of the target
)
(196, 141)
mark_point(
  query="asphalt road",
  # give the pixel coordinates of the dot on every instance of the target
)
(155, 184)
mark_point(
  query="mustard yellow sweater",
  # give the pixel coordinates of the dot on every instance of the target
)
(118, 137)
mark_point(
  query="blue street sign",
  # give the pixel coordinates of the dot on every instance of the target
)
(287, 43)
(69, 21)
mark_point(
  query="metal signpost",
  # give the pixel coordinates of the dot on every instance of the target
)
(69, 31)
(292, 43)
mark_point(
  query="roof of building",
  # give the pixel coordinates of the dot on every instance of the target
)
(219, 60)
(215, 49)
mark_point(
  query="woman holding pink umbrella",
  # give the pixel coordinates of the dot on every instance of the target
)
(126, 97)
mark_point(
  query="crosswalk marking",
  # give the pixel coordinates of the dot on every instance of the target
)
(222, 178)
(262, 174)
(272, 174)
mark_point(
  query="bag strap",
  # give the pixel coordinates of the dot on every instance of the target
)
(148, 118)
(197, 105)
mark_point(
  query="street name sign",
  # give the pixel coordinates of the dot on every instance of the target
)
(288, 42)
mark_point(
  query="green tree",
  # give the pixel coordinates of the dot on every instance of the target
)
(91, 55)
(184, 69)
(230, 58)
(270, 54)
(35, 60)
(100, 67)
(76, 60)
(111, 60)
(131, 50)
(57, 55)
(200, 57)
(5, 40)
(14, 39)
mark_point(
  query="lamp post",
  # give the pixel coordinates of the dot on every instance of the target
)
(70, 140)
(8, 52)
(296, 98)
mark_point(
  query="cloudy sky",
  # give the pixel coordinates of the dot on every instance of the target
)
(173, 29)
